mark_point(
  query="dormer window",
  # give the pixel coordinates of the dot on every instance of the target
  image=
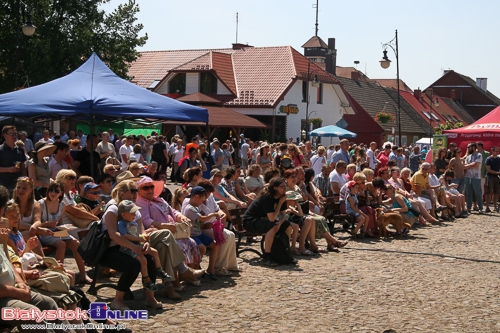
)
(208, 83)
(178, 84)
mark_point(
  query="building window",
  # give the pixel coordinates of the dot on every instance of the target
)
(319, 94)
(304, 91)
(178, 84)
(208, 83)
(415, 138)
(404, 140)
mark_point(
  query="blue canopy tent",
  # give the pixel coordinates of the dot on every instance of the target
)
(93, 92)
(332, 131)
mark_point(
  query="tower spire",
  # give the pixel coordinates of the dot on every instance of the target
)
(317, 9)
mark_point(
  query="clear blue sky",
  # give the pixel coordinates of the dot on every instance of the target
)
(433, 35)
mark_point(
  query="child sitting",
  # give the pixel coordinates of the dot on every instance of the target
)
(133, 232)
(192, 211)
(351, 207)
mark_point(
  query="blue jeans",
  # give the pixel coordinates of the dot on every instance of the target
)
(460, 183)
(473, 185)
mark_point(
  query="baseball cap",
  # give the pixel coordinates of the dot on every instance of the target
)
(127, 206)
(89, 186)
(197, 190)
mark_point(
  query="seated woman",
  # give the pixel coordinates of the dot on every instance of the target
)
(254, 180)
(260, 217)
(351, 207)
(417, 203)
(53, 215)
(38, 167)
(457, 198)
(225, 190)
(399, 204)
(405, 182)
(226, 257)
(321, 223)
(305, 222)
(179, 195)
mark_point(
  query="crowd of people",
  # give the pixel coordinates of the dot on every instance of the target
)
(54, 186)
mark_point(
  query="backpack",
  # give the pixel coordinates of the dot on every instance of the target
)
(280, 250)
(285, 162)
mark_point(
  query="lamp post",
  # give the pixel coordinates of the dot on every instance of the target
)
(28, 30)
(385, 63)
(315, 84)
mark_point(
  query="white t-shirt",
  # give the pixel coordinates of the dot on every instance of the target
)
(244, 150)
(370, 157)
(336, 178)
(317, 163)
(125, 150)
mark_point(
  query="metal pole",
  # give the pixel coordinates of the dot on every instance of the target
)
(399, 102)
(307, 99)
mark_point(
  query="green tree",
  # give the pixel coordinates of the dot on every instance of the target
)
(67, 32)
(443, 127)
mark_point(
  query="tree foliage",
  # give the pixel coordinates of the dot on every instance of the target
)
(443, 127)
(67, 32)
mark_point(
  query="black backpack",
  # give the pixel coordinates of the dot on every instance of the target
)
(280, 250)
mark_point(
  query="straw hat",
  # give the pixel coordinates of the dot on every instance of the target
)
(43, 146)
(126, 175)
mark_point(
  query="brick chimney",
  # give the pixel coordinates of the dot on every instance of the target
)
(240, 46)
(331, 57)
(418, 94)
(355, 75)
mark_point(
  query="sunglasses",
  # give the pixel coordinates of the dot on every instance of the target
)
(55, 191)
(135, 169)
(12, 134)
(71, 177)
(134, 191)
(146, 188)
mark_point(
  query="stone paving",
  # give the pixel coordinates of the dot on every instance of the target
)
(442, 278)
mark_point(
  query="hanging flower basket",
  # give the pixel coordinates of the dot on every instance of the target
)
(315, 121)
(384, 117)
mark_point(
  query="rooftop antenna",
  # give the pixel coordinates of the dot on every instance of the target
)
(236, 27)
(317, 8)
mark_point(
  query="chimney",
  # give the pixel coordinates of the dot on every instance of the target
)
(355, 75)
(331, 57)
(418, 94)
(240, 46)
(481, 83)
(453, 94)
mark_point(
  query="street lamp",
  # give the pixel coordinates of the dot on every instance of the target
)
(28, 29)
(385, 63)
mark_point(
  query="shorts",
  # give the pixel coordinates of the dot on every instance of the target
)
(492, 185)
(202, 239)
(355, 214)
(244, 162)
(262, 226)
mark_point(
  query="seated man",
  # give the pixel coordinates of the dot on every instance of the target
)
(338, 177)
(322, 183)
(420, 185)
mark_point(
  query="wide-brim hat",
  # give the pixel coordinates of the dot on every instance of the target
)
(126, 175)
(158, 184)
(292, 195)
(44, 146)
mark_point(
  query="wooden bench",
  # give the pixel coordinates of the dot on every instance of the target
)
(240, 232)
(335, 216)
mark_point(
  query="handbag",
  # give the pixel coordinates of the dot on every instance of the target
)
(81, 222)
(183, 230)
(95, 243)
(218, 229)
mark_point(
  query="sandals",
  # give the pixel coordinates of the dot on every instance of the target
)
(85, 279)
(319, 250)
(306, 253)
(236, 269)
(157, 305)
(332, 248)
(222, 271)
(341, 244)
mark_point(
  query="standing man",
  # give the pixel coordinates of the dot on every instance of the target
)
(370, 155)
(342, 153)
(160, 153)
(492, 179)
(472, 166)
(28, 144)
(245, 147)
(125, 151)
(82, 137)
(82, 164)
(485, 155)
(105, 149)
(12, 159)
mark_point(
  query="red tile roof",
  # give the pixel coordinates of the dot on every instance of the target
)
(346, 72)
(198, 98)
(315, 41)
(262, 75)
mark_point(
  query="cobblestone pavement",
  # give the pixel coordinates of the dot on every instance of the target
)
(442, 278)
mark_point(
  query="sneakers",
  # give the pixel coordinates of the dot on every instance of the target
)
(268, 261)
(487, 210)
(148, 284)
(160, 273)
